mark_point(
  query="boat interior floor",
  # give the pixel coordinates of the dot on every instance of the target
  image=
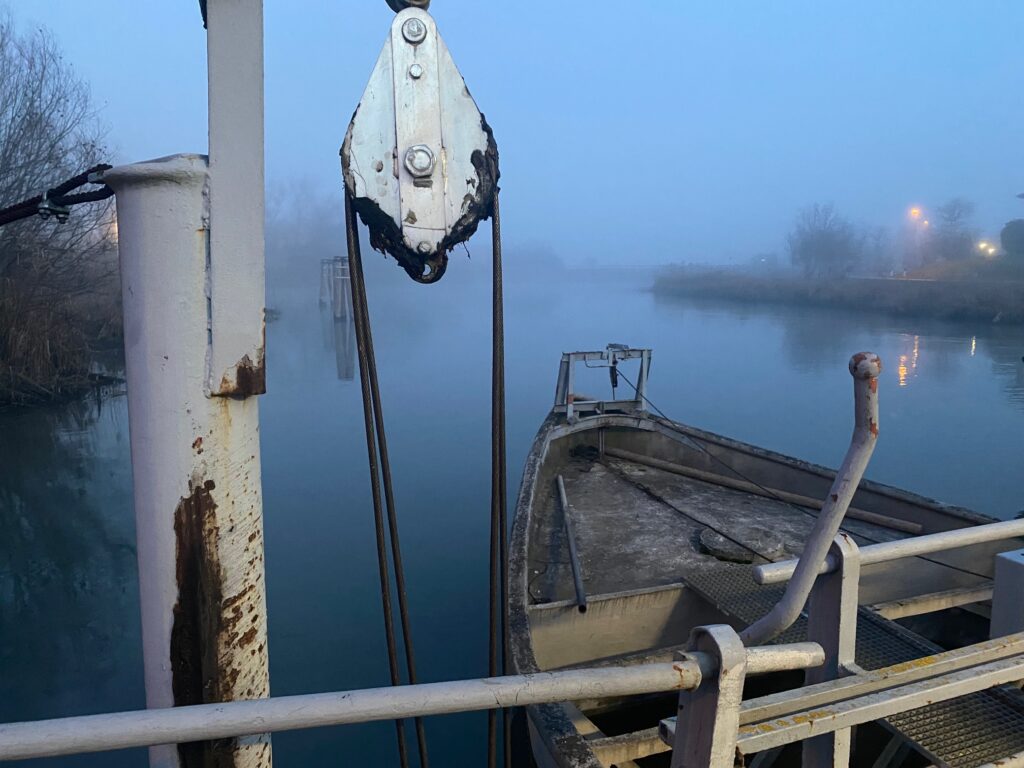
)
(639, 527)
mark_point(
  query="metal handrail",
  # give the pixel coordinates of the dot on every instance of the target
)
(865, 368)
(98, 733)
(775, 573)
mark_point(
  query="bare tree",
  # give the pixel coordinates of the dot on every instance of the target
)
(55, 278)
(953, 239)
(824, 244)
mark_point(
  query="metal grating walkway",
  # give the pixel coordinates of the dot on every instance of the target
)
(960, 733)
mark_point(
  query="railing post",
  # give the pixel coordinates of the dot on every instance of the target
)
(708, 719)
(1007, 607)
(832, 623)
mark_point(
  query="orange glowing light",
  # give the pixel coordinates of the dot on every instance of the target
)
(915, 213)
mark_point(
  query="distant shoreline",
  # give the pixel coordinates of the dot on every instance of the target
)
(992, 301)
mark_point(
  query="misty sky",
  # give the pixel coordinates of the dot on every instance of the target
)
(630, 131)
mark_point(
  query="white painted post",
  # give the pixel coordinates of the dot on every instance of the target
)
(195, 464)
(237, 274)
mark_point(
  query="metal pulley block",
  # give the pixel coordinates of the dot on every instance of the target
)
(419, 160)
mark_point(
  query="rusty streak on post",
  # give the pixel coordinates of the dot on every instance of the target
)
(203, 623)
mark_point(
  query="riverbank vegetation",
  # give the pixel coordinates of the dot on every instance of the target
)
(59, 298)
(937, 268)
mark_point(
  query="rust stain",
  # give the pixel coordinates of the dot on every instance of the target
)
(204, 623)
(250, 377)
(873, 385)
(197, 444)
(873, 426)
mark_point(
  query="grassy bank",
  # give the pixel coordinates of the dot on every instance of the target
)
(56, 349)
(988, 301)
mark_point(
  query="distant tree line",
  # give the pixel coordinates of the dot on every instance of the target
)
(824, 244)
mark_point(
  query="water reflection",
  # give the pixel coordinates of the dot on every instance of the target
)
(774, 376)
(336, 322)
(816, 341)
(69, 641)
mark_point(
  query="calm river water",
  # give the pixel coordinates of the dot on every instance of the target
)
(952, 427)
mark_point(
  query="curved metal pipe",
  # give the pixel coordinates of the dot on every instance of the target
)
(865, 368)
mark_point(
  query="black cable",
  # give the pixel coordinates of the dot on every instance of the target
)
(389, 500)
(58, 196)
(362, 343)
(497, 646)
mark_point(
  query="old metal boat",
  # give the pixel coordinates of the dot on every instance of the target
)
(632, 530)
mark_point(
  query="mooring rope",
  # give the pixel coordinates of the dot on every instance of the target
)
(376, 440)
(498, 646)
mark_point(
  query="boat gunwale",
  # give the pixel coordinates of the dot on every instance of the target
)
(572, 746)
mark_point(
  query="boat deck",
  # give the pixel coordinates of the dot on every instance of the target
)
(665, 514)
(640, 527)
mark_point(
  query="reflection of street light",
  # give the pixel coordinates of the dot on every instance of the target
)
(991, 251)
(924, 223)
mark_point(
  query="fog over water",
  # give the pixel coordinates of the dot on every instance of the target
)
(629, 132)
(952, 411)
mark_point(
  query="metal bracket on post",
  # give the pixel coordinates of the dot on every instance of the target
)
(832, 623)
(709, 717)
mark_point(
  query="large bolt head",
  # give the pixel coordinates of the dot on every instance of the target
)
(414, 31)
(424, 247)
(419, 160)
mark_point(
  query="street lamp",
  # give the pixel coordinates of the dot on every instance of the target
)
(915, 213)
(983, 245)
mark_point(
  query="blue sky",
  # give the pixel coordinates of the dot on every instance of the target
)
(631, 131)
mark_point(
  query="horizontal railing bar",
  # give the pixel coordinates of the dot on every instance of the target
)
(775, 573)
(98, 733)
(763, 735)
(784, 658)
(919, 605)
(832, 691)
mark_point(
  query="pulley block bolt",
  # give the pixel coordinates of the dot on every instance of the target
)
(414, 31)
(415, 71)
(419, 160)
(424, 247)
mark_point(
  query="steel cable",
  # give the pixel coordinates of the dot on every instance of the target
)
(376, 439)
(497, 657)
(59, 196)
